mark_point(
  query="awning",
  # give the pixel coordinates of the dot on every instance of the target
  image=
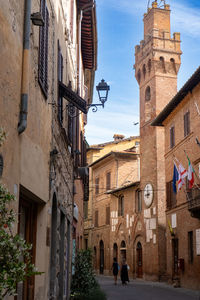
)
(72, 97)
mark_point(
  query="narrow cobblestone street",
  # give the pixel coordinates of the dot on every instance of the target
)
(143, 290)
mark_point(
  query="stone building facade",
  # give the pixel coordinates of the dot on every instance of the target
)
(113, 183)
(180, 119)
(157, 61)
(47, 78)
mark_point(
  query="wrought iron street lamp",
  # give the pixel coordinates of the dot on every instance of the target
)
(102, 89)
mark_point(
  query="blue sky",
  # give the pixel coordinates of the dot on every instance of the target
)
(120, 29)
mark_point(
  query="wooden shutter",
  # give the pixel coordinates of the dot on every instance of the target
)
(172, 137)
(96, 222)
(186, 123)
(60, 78)
(97, 186)
(108, 215)
(43, 50)
(108, 181)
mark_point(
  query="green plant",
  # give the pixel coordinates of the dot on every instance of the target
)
(15, 257)
(84, 285)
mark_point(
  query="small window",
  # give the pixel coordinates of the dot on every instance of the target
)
(162, 64)
(43, 50)
(171, 196)
(148, 94)
(138, 201)
(190, 247)
(173, 65)
(149, 66)
(172, 137)
(144, 70)
(97, 186)
(108, 176)
(108, 215)
(96, 220)
(121, 205)
(186, 123)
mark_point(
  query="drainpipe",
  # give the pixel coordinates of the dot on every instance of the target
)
(25, 69)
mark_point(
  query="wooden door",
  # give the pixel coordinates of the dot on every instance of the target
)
(27, 230)
(139, 260)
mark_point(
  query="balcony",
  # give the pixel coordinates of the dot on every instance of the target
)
(193, 198)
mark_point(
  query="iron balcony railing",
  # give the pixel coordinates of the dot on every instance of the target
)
(193, 197)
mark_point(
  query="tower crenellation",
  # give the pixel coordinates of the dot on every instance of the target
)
(157, 47)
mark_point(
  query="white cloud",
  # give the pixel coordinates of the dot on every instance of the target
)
(186, 19)
(102, 125)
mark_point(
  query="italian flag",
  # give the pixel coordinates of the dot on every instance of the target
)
(190, 174)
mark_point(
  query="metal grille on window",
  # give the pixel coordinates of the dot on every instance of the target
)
(43, 50)
(60, 78)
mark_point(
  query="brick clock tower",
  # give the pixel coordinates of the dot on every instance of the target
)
(157, 61)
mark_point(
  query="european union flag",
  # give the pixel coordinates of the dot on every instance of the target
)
(175, 178)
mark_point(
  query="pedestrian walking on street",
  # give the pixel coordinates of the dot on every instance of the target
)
(124, 272)
(115, 268)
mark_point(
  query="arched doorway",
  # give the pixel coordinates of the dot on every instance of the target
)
(123, 250)
(139, 260)
(101, 257)
(115, 251)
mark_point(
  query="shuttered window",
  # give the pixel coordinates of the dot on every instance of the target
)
(43, 50)
(186, 123)
(121, 205)
(171, 196)
(172, 137)
(96, 221)
(108, 215)
(60, 78)
(108, 176)
(97, 186)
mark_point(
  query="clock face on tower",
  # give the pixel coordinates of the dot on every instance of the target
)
(148, 194)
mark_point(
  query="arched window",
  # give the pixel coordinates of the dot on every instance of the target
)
(144, 70)
(149, 66)
(123, 244)
(173, 65)
(162, 64)
(148, 94)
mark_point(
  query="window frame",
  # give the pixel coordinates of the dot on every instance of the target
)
(138, 201)
(121, 205)
(97, 186)
(186, 121)
(172, 136)
(108, 181)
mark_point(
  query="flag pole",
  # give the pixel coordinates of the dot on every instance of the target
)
(193, 169)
